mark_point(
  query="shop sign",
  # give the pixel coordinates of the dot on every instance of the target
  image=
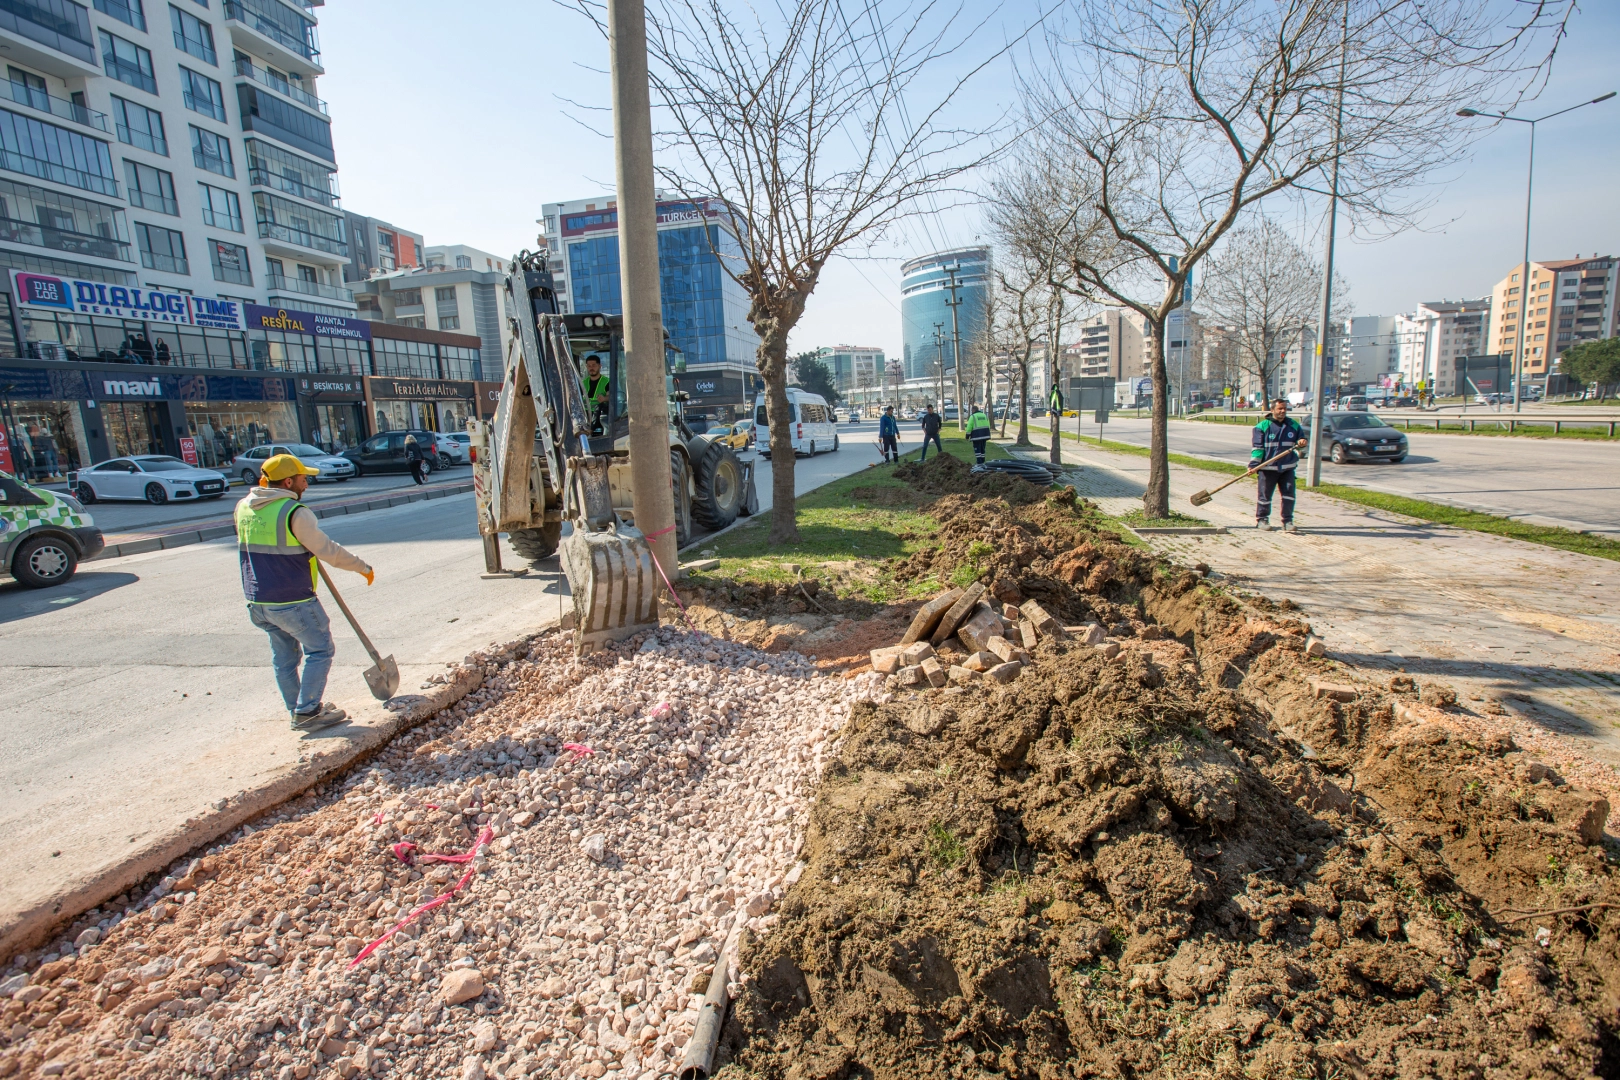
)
(704, 386)
(421, 389)
(152, 388)
(36, 384)
(292, 321)
(188, 449)
(489, 396)
(322, 388)
(99, 298)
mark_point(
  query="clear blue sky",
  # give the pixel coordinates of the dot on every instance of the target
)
(455, 124)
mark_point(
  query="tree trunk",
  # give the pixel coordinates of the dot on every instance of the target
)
(1023, 403)
(772, 361)
(1156, 499)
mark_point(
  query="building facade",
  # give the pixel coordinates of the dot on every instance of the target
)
(459, 290)
(1111, 343)
(1428, 342)
(705, 311)
(1568, 301)
(376, 247)
(925, 311)
(853, 367)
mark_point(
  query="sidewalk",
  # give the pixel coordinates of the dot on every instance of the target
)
(1532, 628)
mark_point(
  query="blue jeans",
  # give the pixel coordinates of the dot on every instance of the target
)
(934, 438)
(296, 629)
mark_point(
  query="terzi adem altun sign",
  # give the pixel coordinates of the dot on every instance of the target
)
(121, 302)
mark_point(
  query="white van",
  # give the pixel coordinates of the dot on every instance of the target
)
(815, 425)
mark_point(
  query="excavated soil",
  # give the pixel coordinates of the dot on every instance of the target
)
(1212, 856)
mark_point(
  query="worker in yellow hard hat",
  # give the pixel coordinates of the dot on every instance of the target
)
(278, 540)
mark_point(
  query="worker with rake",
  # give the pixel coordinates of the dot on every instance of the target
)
(1272, 438)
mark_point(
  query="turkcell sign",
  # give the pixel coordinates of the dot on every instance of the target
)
(121, 302)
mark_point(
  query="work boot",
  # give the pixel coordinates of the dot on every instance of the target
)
(1288, 527)
(324, 716)
(1263, 526)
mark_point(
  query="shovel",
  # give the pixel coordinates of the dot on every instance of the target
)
(1199, 497)
(383, 674)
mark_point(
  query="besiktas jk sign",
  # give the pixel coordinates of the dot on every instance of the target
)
(121, 302)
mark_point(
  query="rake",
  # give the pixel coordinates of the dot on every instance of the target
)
(1201, 497)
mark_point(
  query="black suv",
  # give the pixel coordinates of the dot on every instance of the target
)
(386, 452)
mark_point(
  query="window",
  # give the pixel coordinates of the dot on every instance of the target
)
(54, 153)
(212, 152)
(299, 223)
(127, 62)
(193, 36)
(308, 274)
(129, 12)
(230, 262)
(463, 262)
(150, 189)
(408, 298)
(40, 218)
(161, 249)
(444, 293)
(274, 167)
(449, 322)
(220, 208)
(139, 126)
(202, 94)
(29, 89)
(285, 122)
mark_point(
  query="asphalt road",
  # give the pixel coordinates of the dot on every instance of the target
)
(138, 693)
(126, 517)
(1549, 481)
(857, 448)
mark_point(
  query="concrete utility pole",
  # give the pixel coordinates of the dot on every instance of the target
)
(653, 499)
(956, 342)
(939, 366)
(1313, 474)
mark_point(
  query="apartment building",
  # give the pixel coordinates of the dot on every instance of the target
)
(457, 288)
(854, 367)
(1428, 342)
(1566, 301)
(379, 247)
(1111, 342)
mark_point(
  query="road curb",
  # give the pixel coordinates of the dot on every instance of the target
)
(206, 533)
(29, 927)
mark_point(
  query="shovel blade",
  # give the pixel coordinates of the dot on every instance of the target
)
(1201, 497)
(383, 678)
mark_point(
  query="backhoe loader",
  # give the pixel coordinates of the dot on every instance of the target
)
(552, 457)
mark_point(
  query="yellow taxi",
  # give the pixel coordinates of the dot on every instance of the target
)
(739, 436)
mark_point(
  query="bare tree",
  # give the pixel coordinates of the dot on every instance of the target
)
(1023, 329)
(1266, 290)
(813, 126)
(1165, 121)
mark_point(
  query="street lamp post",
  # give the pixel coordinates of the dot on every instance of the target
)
(1519, 362)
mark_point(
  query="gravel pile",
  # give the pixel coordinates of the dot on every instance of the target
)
(644, 805)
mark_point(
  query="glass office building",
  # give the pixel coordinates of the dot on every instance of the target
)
(924, 308)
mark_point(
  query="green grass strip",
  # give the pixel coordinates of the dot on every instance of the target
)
(1601, 547)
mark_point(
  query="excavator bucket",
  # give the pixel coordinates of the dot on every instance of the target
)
(614, 582)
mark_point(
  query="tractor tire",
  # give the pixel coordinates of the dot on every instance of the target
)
(683, 504)
(717, 479)
(537, 545)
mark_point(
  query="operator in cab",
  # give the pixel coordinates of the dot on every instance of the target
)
(596, 394)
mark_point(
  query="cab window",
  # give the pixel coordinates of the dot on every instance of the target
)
(375, 444)
(116, 465)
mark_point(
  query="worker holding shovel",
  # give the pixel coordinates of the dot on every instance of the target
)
(278, 542)
(1277, 441)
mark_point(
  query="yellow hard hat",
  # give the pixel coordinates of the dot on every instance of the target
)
(284, 465)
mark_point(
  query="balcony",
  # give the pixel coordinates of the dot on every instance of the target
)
(58, 173)
(57, 24)
(406, 311)
(143, 140)
(58, 107)
(246, 70)
(269, 230)
(292, 186)
(42, 236)
(270, 18)
(309, 288)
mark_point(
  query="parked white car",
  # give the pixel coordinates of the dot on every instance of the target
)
(814, 424)
(454, 445)
(332, 466)
(155, 478)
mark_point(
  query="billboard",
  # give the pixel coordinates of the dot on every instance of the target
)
(123, 302)
(259, 317)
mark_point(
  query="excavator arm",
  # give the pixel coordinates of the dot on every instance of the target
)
(541, 463)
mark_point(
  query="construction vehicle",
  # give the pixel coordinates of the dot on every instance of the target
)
(551, 457)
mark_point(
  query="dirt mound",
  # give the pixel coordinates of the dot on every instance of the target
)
(1119, 869)
(946, 475)
(1206, 857)
(1056, 550)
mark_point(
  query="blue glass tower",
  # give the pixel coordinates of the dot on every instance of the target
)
(923, 303)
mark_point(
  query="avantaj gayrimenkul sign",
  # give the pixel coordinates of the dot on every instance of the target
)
(120, 302)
